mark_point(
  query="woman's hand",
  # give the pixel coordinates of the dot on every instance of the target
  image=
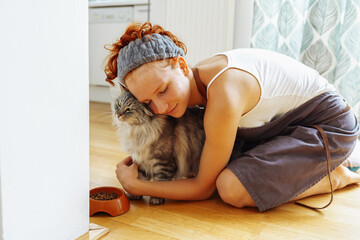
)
(127, 174)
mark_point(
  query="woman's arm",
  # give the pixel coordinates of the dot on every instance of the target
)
(220, 122)
(184, 189)
(220, 135)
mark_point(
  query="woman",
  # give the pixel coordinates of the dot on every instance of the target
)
(289, 116)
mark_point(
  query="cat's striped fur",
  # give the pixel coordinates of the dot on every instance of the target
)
(164, 147)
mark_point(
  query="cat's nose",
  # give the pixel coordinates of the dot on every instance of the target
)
(118, 115)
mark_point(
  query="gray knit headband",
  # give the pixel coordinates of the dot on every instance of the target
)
(144, 50)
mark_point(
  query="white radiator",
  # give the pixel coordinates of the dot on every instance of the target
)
(205, 26)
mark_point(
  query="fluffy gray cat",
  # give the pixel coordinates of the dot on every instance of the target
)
(164, 147)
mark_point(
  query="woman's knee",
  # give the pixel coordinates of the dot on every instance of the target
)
(232, 191)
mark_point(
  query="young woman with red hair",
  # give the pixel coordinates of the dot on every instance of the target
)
(296, 128)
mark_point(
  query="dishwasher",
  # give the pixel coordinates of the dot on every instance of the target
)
(107, 22)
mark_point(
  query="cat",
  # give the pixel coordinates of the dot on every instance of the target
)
(164, 147)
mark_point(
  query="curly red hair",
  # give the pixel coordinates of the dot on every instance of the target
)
(134, 31)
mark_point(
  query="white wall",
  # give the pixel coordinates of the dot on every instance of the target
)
(44, 146)
(196, 28)
(243, 23)
(1, 225)
(205, 26)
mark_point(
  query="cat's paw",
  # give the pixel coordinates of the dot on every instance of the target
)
(156, 200)
(133, 197)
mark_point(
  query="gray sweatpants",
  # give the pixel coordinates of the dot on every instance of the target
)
(286, 156)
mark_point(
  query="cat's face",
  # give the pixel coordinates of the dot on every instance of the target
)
(127, 108)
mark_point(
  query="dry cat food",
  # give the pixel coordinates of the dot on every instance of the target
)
(103, 196)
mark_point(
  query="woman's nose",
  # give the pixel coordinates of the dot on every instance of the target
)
(161, 107)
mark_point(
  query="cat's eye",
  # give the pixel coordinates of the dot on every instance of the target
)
(119, 104)
(128, 109)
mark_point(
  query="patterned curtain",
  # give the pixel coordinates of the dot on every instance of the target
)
(323, 34)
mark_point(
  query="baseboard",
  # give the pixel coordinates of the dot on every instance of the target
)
(99, 93)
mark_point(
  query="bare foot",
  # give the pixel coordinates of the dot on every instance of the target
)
(345, 177)
(340, 178)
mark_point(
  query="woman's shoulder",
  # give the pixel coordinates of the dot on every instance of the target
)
(232, 86)
(209, 67)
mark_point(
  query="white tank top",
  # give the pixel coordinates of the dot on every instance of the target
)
(285, 83)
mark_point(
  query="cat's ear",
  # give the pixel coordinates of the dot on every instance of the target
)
(122, 88)
(148, 111)
(116, 90)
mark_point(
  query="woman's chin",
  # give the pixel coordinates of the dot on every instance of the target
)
(178, 112)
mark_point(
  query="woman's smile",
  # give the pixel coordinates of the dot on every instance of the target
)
(172, 110)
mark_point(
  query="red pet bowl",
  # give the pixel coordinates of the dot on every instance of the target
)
(113, 207)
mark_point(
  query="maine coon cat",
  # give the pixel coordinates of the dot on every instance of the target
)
(164, 147)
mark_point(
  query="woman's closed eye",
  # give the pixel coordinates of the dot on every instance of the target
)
(163, 91)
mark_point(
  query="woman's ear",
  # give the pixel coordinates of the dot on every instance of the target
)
(183, 65)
